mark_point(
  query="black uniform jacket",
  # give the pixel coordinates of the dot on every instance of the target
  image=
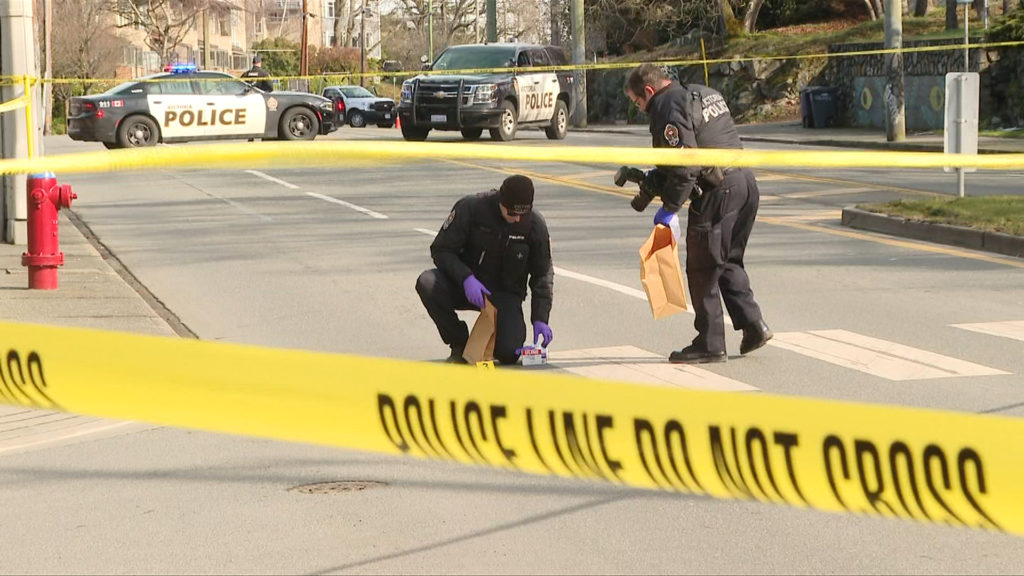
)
(691, 116)
(476, 239)
(259, 72)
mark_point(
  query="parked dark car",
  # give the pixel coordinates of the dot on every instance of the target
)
(359, 107)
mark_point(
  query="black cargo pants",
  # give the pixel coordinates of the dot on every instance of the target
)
(442, 296)
(717, 229)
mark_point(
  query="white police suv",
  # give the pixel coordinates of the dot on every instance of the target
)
(185, 104)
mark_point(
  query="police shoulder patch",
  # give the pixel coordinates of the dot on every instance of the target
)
(672, 135)
(448, 221)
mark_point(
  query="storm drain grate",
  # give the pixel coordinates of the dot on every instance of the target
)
(337, 487)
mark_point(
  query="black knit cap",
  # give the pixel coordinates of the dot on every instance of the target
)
(516, 194)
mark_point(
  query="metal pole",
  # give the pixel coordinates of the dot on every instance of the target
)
(430, 30)
(967, 38)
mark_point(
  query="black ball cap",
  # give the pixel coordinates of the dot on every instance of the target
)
(516, 194)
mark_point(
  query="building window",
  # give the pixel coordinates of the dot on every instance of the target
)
(329, 9)
(224, 25)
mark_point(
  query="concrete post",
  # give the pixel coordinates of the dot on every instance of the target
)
(17, 58)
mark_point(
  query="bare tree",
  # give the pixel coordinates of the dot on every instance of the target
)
(920, 8)
(952, 22)
(164, 22)
(85, 44)
(750, 18)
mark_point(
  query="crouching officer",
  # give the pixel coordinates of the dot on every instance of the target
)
(491, 246)
(723, 205)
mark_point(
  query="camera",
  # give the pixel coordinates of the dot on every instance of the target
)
(650, 183)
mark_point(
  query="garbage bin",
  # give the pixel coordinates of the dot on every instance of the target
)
(819, 107)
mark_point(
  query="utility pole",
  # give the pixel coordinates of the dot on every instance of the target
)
(362, 45)
(17, 58)
(48, 74)
(492, 20)
(206, 40)
(304, 49)
(895, 110)
(579, 57)
(430, 30)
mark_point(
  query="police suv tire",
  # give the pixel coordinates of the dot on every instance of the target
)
(559, 122)
(414, 134)
(472, 133)
(137, 131)
(298, 123)
(507, 123)
(356, 119)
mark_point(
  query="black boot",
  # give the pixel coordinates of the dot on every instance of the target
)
(693, 354)
(754, 336)
(456, 356)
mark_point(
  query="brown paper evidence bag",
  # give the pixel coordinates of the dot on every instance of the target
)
(661, 273)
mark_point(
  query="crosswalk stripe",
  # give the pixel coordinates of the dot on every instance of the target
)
(878, 357)
(1013, 329)
(632, 364)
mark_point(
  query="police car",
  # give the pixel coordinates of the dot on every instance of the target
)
(498, 102)
(185, 104)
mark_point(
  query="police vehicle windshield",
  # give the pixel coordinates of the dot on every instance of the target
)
(475, 56)
(356, 92)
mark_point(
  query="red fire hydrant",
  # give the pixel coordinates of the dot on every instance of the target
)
(45, 198)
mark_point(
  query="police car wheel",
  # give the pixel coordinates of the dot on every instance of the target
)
(414, 134)
(472, 133)
(559, 122)
(137, 131)
(299, 124)
(356, 119)
(507, 124)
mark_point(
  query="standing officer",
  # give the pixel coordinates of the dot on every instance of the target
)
(487, 247)
(723, 205)
(257, 71)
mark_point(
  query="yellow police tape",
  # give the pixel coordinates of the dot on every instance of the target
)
(926, 465)
(328, 76)
(327, 153)
(19, 102)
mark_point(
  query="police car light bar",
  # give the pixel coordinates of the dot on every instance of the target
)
(180, 68)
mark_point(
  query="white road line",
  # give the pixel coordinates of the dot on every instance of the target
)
(1013, 329)
(366, 211)
(632, 364)
(272, 179)
(877, 357)
(639, 294)
(827, 192)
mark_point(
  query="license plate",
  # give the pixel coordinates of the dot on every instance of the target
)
(438, 118)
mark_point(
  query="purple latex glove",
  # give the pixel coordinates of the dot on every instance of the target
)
(542, 329)
(663, 217)
(475, 291)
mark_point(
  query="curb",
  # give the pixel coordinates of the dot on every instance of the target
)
(996, 242)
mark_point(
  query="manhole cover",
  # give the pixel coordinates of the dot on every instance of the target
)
(337, 487)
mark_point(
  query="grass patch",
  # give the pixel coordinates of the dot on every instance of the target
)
(990, 213)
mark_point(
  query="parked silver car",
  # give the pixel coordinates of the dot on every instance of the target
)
(359, 107)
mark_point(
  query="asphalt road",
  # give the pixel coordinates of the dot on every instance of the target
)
(326, 260)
